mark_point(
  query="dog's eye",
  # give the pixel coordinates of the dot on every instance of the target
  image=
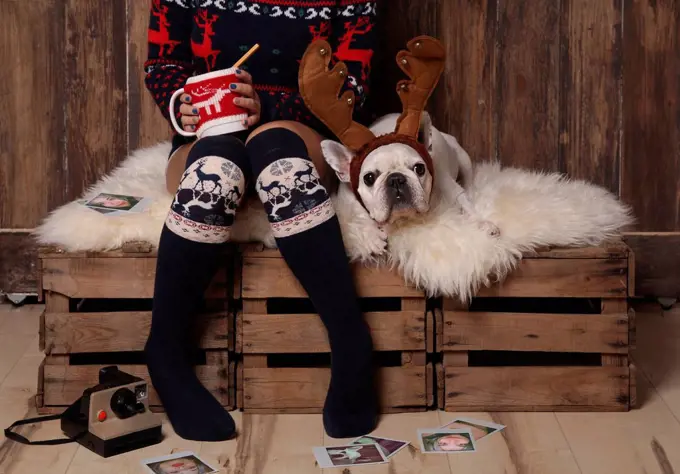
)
(419, 169)
(369, 179)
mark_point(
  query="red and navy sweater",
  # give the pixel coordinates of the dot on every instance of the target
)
(188, 37)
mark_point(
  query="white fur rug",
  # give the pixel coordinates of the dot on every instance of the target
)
(445, 253)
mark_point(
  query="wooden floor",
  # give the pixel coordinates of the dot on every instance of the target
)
(643, 441)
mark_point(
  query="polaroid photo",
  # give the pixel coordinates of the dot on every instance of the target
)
(480, 428)
(389, 447)
(443, 441)
(352, 455)
(185, 462)
(118, 203)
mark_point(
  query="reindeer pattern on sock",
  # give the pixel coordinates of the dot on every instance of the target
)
(293, 196)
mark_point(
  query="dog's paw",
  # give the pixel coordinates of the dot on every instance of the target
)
(366, 242)
(490, 228)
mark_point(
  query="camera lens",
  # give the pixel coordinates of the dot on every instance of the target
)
(124, 403)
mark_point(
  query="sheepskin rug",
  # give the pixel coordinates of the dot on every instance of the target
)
(444, 253)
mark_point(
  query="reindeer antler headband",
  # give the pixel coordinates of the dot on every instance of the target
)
(423, 62)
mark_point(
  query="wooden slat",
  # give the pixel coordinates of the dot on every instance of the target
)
(631, 274)
(18, 261)
(56, 302)
(613, 306)
(578, 278)
(536, 332)
(67, 333)
(650, 180)
(147, 125)
(127, 250)
(439, 380)
(96, 87)
(64, 384)
(39, 395)
(255, 306)
(110, 278)
(434, 320)
(255, 361)
(632, 329)
(527, 104)
(614, 360)
(456, 359)
(413, 358)
(537, 388)
(271, 278)
(633, 386)
(657, 263)
(294, 333)
(591, 91)
(32, 172)
(610, 250)
(469, 32)
(305, 388)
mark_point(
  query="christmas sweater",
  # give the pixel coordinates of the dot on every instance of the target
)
(188, 37)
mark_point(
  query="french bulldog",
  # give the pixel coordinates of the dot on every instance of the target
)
(396, 188)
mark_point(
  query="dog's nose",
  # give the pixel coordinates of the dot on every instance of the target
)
(396, 180)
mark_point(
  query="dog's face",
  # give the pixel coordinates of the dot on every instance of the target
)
(394, 181)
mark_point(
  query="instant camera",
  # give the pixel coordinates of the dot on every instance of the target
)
(113, 417)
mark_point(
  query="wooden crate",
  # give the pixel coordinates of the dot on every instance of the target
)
(278, 328)
(554, 336)
(98, 313)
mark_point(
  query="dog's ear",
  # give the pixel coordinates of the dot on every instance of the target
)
(426, 131)
(338, 156)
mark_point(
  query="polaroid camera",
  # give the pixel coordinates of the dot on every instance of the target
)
(113, 417)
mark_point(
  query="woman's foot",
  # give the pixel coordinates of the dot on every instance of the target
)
(350, 417)
(192, 410)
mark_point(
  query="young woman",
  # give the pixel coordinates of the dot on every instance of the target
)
(188, 37)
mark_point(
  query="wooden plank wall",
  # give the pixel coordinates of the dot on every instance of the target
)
(589, 88)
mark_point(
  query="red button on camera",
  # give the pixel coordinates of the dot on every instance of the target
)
(101, 415)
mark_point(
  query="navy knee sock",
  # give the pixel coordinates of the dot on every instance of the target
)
(309, 238)
(188, 256)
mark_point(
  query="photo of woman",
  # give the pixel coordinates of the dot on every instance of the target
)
(114, 201)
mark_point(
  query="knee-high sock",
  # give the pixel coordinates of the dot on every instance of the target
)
(309, 238)
(188, 255)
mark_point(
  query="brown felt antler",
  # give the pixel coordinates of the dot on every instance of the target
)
(320, 87)
(423, 62)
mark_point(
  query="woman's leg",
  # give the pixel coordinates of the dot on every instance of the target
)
(309, 238)
(188, 256)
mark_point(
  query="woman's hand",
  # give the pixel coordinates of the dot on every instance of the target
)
(250, 99)
(189, 113)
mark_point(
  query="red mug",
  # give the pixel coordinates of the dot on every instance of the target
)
(210, 94)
